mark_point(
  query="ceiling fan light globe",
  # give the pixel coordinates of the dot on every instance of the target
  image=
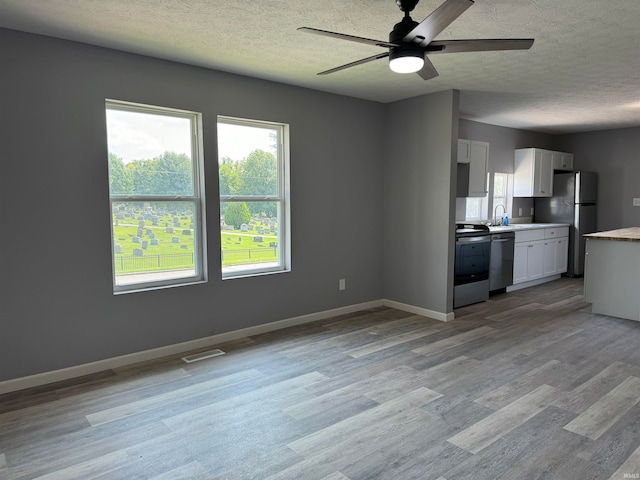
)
(406, 64)
(406, 61)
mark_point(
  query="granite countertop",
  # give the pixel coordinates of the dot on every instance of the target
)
(631, 234)
(517, 227)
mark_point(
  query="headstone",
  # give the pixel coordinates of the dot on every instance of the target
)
(168, 230)
(154, 241)
(244, 227)
(141, 223)
(257, 239)
(145, 244)
(148, 231)
(135, 239)
(151, 235)
(118, 248)
(138, 252)
(140, 231)
(175, 239)
(186, 231)
(184, 247)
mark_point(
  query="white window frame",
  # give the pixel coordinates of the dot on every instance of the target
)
(197, 200)
(506, 200)
(481, 203)
(282, 199)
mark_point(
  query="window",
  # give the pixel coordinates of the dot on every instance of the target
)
(157, 205)
(254, 197)
(501, 194)
(476, 207)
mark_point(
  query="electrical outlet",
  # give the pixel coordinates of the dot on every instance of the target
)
(342, 284)
(636, 202)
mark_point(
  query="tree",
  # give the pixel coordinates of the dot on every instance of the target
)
(259, 176)
(236, 213)
(120, 180)
(229, 176)
(172, 174)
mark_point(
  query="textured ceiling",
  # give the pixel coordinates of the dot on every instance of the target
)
(582, 73)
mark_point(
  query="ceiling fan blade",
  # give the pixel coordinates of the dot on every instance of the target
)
(351, 38)
(488, 45)
(428, 71)
(437, 21)
(357, 62)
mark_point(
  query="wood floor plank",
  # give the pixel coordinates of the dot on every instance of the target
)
(630, 468)
(339, 432)
(122, 411)
(523, 384)
(523, 447)
(496, 425)
(454, 341)
(280, 394)
(600, 416)
(354, 441)
(89, 469)
(394, 340)
(336, 476)
(598, 385)
(616, 444)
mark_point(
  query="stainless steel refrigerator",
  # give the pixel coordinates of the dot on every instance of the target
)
(573, 202)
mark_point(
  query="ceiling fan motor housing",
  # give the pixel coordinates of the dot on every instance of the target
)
(401, 29)
(407, 5)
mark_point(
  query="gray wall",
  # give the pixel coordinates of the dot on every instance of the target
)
(58, 309)
(419, 191)
(615, 156)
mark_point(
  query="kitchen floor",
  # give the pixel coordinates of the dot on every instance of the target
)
(527, 385)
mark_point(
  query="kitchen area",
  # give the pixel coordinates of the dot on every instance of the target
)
(499, 253)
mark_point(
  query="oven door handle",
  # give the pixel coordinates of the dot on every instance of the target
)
(483, 238)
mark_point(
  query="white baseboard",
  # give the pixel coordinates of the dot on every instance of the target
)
(531, 283)
(178, 348)
(443, 317)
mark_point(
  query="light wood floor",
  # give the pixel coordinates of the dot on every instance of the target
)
(527, 385)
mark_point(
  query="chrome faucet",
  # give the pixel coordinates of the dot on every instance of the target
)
(495, 214)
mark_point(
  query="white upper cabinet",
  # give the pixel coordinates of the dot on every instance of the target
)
(473, 164)
(464, 150)
(562, 161)
(533, 173)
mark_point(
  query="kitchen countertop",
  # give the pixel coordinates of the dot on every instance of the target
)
(517, 227)
(631, 234)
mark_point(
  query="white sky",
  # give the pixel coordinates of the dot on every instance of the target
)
(137, 136)
(238, 141)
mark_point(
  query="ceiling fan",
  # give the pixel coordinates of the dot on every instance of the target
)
(411, 42)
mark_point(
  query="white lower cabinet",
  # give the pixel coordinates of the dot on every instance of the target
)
(539, 254)
(555, 255)
(527, 260)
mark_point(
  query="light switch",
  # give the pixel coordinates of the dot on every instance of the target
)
(636, 202)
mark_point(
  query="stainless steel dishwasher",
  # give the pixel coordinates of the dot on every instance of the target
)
(501, 265)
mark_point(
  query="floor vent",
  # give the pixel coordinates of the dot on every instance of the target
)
(203, 355)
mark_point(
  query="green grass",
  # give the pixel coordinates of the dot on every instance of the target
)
(238, 247)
